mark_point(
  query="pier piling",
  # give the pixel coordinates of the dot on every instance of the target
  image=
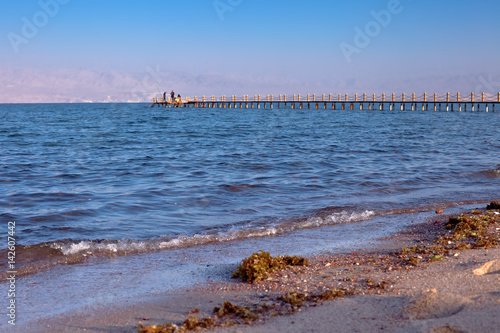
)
(487, 102)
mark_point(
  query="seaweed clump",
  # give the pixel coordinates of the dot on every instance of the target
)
(237, 311)
(225, 315)
(296, 300)
(226, 310)
(469, 230)
(259, 265)
(190, 324)
(229, 314)
(415, 254)
(493, 205)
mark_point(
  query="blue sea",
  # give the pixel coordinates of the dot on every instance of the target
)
(91, 186)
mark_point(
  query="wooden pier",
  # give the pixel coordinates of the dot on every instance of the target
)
(482, 103)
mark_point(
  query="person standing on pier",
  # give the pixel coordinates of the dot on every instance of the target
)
(172, 95)
(164, 96)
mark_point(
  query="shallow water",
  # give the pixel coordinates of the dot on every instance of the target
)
(115, 202)
(100, 283)
(84, 180)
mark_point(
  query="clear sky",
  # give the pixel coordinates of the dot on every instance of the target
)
(89, 50)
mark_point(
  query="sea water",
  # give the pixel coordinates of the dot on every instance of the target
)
(90, 185)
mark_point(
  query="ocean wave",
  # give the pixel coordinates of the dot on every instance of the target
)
(44, 256)
(123, 247)
(34, 258)
(336, 218)
(492, 173)
(488, 173)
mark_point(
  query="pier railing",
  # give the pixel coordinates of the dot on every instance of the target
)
(403, 101)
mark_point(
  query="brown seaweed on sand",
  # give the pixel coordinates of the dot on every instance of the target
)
(476, 229)
(259, 265)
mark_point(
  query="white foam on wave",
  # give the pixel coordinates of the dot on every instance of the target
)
(337, 218)
(122, 247)
(89, 247)
(73, 248)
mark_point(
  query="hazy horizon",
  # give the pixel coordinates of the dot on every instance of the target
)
(73, 51)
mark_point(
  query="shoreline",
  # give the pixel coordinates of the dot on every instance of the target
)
(125, 279)
(382, 294)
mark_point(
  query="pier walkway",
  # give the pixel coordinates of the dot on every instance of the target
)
(482, 103)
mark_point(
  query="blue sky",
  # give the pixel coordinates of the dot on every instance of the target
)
(89, 50)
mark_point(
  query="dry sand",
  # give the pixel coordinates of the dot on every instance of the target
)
(442, 297)
(459, 294)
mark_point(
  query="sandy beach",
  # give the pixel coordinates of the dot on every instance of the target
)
(457, 291)
(252, 166)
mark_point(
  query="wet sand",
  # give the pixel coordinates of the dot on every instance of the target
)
(458, 294)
